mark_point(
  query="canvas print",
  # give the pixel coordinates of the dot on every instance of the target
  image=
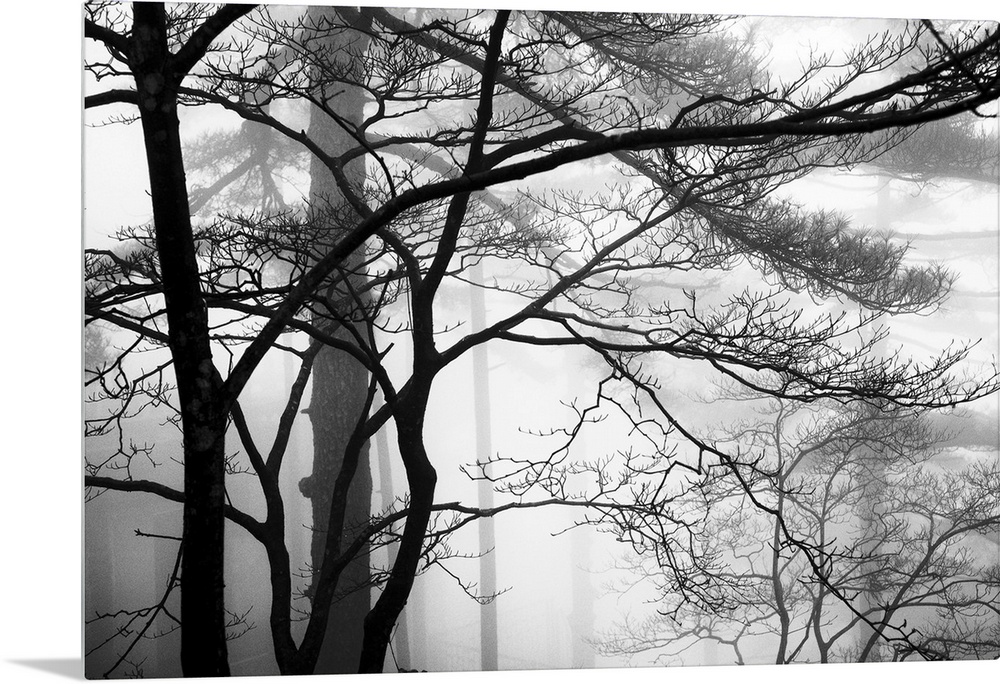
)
(441, 339)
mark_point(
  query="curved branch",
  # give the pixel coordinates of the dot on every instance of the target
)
(247, 522)
(197, 45)
(114, 41)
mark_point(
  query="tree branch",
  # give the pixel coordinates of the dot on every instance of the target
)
(117, 96)
(197, 45)
(247, 522)
(114, 41)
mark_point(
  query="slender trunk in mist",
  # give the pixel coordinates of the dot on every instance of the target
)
(164, 558)
(99, 575)
(582, 616)
(203, 418)
(296, 466)
(777, 587)
(484, 449)
(339, 387)
(872, 486)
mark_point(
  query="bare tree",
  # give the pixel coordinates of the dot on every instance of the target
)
(461, 103)
(157, 73)
(936, 597)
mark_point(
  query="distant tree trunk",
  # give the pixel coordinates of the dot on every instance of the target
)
(99, 578)
(777, 584)
(581, 618)
(296, 466)
(868, 640)
(203, 419)
(164, 558)
(582, 615)
(484, 449)
(414, 619)
(339, 386)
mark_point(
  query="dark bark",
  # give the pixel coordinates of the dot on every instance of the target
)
(157, 76)
(285, 649)
(421, 479)
(401, 643)
(203, 634)
(412, 403)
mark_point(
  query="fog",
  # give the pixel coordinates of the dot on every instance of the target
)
(574, 588)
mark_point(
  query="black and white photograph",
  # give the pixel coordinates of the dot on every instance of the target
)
(445, 339)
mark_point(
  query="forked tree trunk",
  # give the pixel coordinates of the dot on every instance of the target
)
(422, 481)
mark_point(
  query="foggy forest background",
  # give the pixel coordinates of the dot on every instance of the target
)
(725, 400)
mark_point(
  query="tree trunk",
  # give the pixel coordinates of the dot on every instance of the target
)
(581, 617)
(203, 420)
(339, 387)
(868, 640)
(484, 448)
(777, 584)
(401, 650)
(422, 480)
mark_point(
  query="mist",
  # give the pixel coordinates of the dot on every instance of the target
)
(762, 429)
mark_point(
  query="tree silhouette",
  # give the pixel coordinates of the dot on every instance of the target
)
(460, 104)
